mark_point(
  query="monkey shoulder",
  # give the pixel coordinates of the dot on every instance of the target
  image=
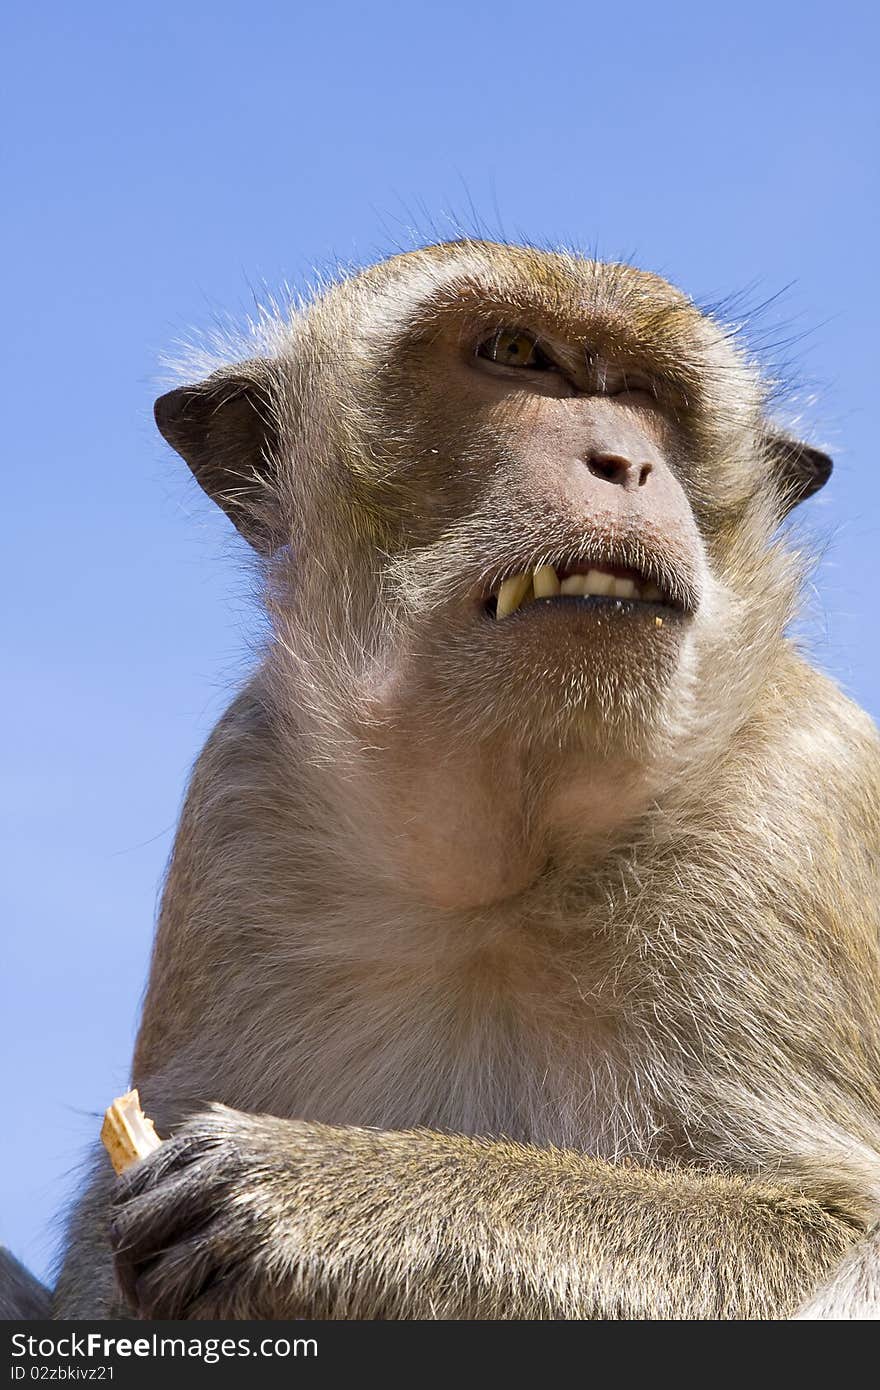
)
(245, 732)
(819, 786)
(818, 728)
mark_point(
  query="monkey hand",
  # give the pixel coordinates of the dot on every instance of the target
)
(254, 1216)
(203, 1227)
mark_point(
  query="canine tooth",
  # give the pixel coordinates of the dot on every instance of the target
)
(546, 582)
(574, 584)
(651, 593)
(624, 588)
(511, 594)
(599, 583)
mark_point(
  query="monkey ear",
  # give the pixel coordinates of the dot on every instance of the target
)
(225, 430)
(800, 469)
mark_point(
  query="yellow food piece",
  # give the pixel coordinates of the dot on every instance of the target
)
(126, 1133)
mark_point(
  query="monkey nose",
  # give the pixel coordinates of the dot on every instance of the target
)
(619, 470)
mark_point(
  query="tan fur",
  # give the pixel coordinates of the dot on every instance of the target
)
(615, 918)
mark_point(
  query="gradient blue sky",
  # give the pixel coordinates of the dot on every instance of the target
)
(161, 162)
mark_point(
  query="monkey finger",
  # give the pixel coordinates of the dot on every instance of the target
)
(153, 1169)
(185, 1153)
(164, 1287)
(194, 1277)
(143, 1225)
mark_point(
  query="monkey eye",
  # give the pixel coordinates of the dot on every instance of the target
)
(511, 348)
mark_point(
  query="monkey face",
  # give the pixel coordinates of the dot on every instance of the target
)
(535, 441)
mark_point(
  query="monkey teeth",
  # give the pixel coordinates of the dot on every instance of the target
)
(512, 593)
(546, 583)
(520, 589)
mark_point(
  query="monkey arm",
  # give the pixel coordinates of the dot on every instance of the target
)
(254, 1216)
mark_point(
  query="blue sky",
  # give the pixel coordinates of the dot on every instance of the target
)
(163, 162)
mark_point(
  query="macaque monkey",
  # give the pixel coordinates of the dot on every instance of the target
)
(518, 956)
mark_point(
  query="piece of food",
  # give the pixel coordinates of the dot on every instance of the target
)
(126, 1133)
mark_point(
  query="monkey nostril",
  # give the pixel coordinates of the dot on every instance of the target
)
(611, 467)
(644, 473)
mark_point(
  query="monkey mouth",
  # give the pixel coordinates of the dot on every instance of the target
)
(591, 583)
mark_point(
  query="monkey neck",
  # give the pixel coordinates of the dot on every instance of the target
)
(475, 824)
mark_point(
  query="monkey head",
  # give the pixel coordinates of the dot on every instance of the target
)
(520, 514)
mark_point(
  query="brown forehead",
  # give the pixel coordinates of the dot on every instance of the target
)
(563, 284)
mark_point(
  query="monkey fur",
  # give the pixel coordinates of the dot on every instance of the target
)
(512, 968)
